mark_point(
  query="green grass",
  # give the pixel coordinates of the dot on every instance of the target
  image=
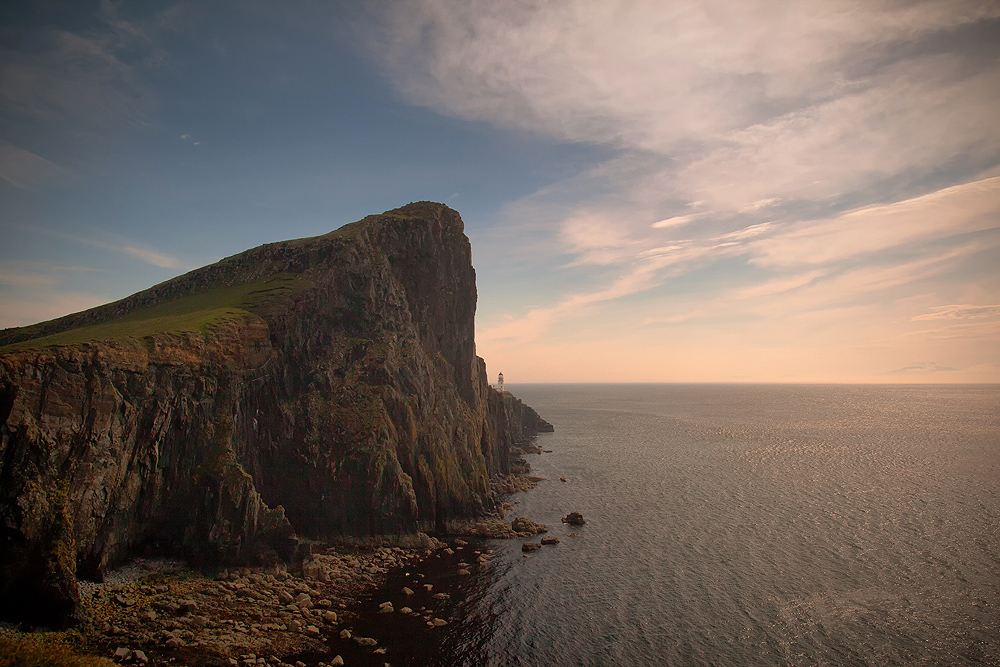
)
(45, 650)
(194, 313)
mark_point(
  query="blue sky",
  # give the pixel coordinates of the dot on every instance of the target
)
(655, 191)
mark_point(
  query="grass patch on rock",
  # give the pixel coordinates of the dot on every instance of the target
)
(45, 649)
(193, 313)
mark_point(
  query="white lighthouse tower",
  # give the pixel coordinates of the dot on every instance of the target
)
(500, 383)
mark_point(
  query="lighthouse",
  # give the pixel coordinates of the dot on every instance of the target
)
(500, 383)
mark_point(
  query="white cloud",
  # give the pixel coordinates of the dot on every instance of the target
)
(780, 285)
(675, 221)
(645, 74)
(740, 134)
(957, 210)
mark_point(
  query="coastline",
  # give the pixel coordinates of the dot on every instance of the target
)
(160, 611)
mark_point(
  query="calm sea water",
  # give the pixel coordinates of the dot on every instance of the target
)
(745, 525)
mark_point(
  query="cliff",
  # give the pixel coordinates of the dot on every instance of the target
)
(311, 388)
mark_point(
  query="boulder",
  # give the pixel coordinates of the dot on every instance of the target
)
(530, 546)
(526, 526)
(550, 540)
(574, 519)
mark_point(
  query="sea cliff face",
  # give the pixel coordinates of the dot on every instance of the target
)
(342, 396)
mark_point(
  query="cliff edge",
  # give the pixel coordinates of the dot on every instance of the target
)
(312, 388)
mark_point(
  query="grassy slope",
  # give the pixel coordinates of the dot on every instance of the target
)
(196, 312)
(201, 311)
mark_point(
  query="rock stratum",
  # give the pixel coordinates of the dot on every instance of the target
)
(300, 390)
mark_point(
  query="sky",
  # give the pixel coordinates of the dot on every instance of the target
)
(655, 191)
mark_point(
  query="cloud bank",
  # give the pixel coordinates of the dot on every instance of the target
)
(823, 155)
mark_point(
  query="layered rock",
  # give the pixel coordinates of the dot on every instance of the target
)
(346, 399)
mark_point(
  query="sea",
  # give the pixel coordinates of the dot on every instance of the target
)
(733, 525)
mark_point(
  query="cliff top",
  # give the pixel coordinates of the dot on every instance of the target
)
(235, 287)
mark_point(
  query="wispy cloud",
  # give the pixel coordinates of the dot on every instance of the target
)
(961, 209)
(921, 367)
(130, 248)
(960, 312)
(23, 169)
(144, 254)
(93, 77)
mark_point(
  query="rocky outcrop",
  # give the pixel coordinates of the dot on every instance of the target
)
(525, 526)
(343, 397)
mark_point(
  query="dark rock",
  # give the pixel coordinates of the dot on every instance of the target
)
(574, 519)
(526, 526)
(530, 546)
(550, 540)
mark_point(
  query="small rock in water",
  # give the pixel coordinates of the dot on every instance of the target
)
(407, 590)
(530, 546)
(564, 479)
(527, 526)
(550, 540)
(463, 571)
(438, 622)
(574, 519)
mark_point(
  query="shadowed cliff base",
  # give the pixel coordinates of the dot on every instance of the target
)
(303, 390)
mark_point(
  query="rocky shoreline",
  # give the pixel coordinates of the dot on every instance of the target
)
(162, 612)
